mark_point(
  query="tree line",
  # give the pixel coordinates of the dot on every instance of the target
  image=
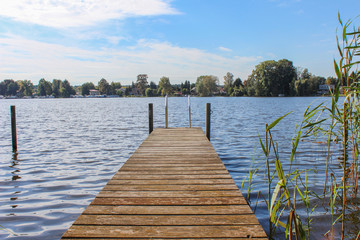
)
(269, 78)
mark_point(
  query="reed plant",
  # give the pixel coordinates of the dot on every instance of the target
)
(337, 122)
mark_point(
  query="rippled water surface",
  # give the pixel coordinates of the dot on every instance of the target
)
(69, 148)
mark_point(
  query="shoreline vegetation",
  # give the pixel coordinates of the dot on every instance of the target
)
(268, 79)
(337, 125)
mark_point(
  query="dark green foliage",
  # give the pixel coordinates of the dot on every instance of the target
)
(206, 85)
(271, 78)
(104, 86)
(153, 85)
(85, 88)
(26, 87)
(12, 88)
(165, 87)
(238, 83)
(149, 92)
(66, 89)
(142, 83)
(8, 87)
(228, 83)
(56, 85)
(114, 87)
(44, 88)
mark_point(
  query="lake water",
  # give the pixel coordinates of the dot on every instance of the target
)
(69, 148)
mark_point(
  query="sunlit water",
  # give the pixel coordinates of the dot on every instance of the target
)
(69, 148)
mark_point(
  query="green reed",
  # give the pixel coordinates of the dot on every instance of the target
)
(340, 121)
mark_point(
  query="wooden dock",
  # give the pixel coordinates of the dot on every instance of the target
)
(174, 186)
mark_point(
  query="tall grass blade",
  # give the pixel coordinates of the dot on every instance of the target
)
(274, 123)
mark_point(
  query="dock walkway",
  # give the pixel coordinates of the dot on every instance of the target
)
(174, 186)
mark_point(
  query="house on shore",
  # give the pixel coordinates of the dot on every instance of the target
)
(94, 92)
(324, 89)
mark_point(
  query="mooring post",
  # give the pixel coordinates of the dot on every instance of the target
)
(208, 113)
(166, 111)
(189, 111)
(13, 128)
(151, 118)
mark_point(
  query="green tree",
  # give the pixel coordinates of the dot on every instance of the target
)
(165, 87)
(3, 88)
(305, 74)
(206, 85)
(228, 83)
(119, 92)
(153, 85)
(26, 87)
(85, 88)
(238, 83)
(8, 87)
(66, 89)
(314, 83)
(12, 88)
(104, 86)
(331, 81)
(271, 78)
(114, 87)
(149, 92)
(56, 85)
(44, 88)
(142, 83)
(127, 91)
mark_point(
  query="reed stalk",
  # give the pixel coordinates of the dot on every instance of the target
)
(338, 123)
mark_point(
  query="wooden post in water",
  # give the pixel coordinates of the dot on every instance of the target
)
(166, 111)
(13, 128)
(151, 118)
(189, 111)
(208, 118)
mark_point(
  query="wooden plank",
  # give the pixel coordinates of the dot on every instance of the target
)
(169, 187)
(162, 154)
(66, 238)
(123, 175)
(168, 210)
(177, 172)
(176, 158)
(173, 187)
(172, 181)
(179, 164)
(164, 220)
(170, 201)
(172, 162)
(168, 238)
(170, 194)
(165, 231)
(170, 168)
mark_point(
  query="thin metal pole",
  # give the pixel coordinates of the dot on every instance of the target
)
(166, 111)
(151, 118)
(208, 118)
(189, 111)
(13, 128)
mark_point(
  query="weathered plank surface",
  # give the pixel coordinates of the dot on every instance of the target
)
(173, 187)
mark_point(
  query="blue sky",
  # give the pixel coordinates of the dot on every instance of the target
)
(86, 40)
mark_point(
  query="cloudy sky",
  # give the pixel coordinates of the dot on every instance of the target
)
(86, 40)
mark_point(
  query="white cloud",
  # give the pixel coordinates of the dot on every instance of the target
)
(157, 59)
(225, 49)
(114, 40)
(77, 13)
